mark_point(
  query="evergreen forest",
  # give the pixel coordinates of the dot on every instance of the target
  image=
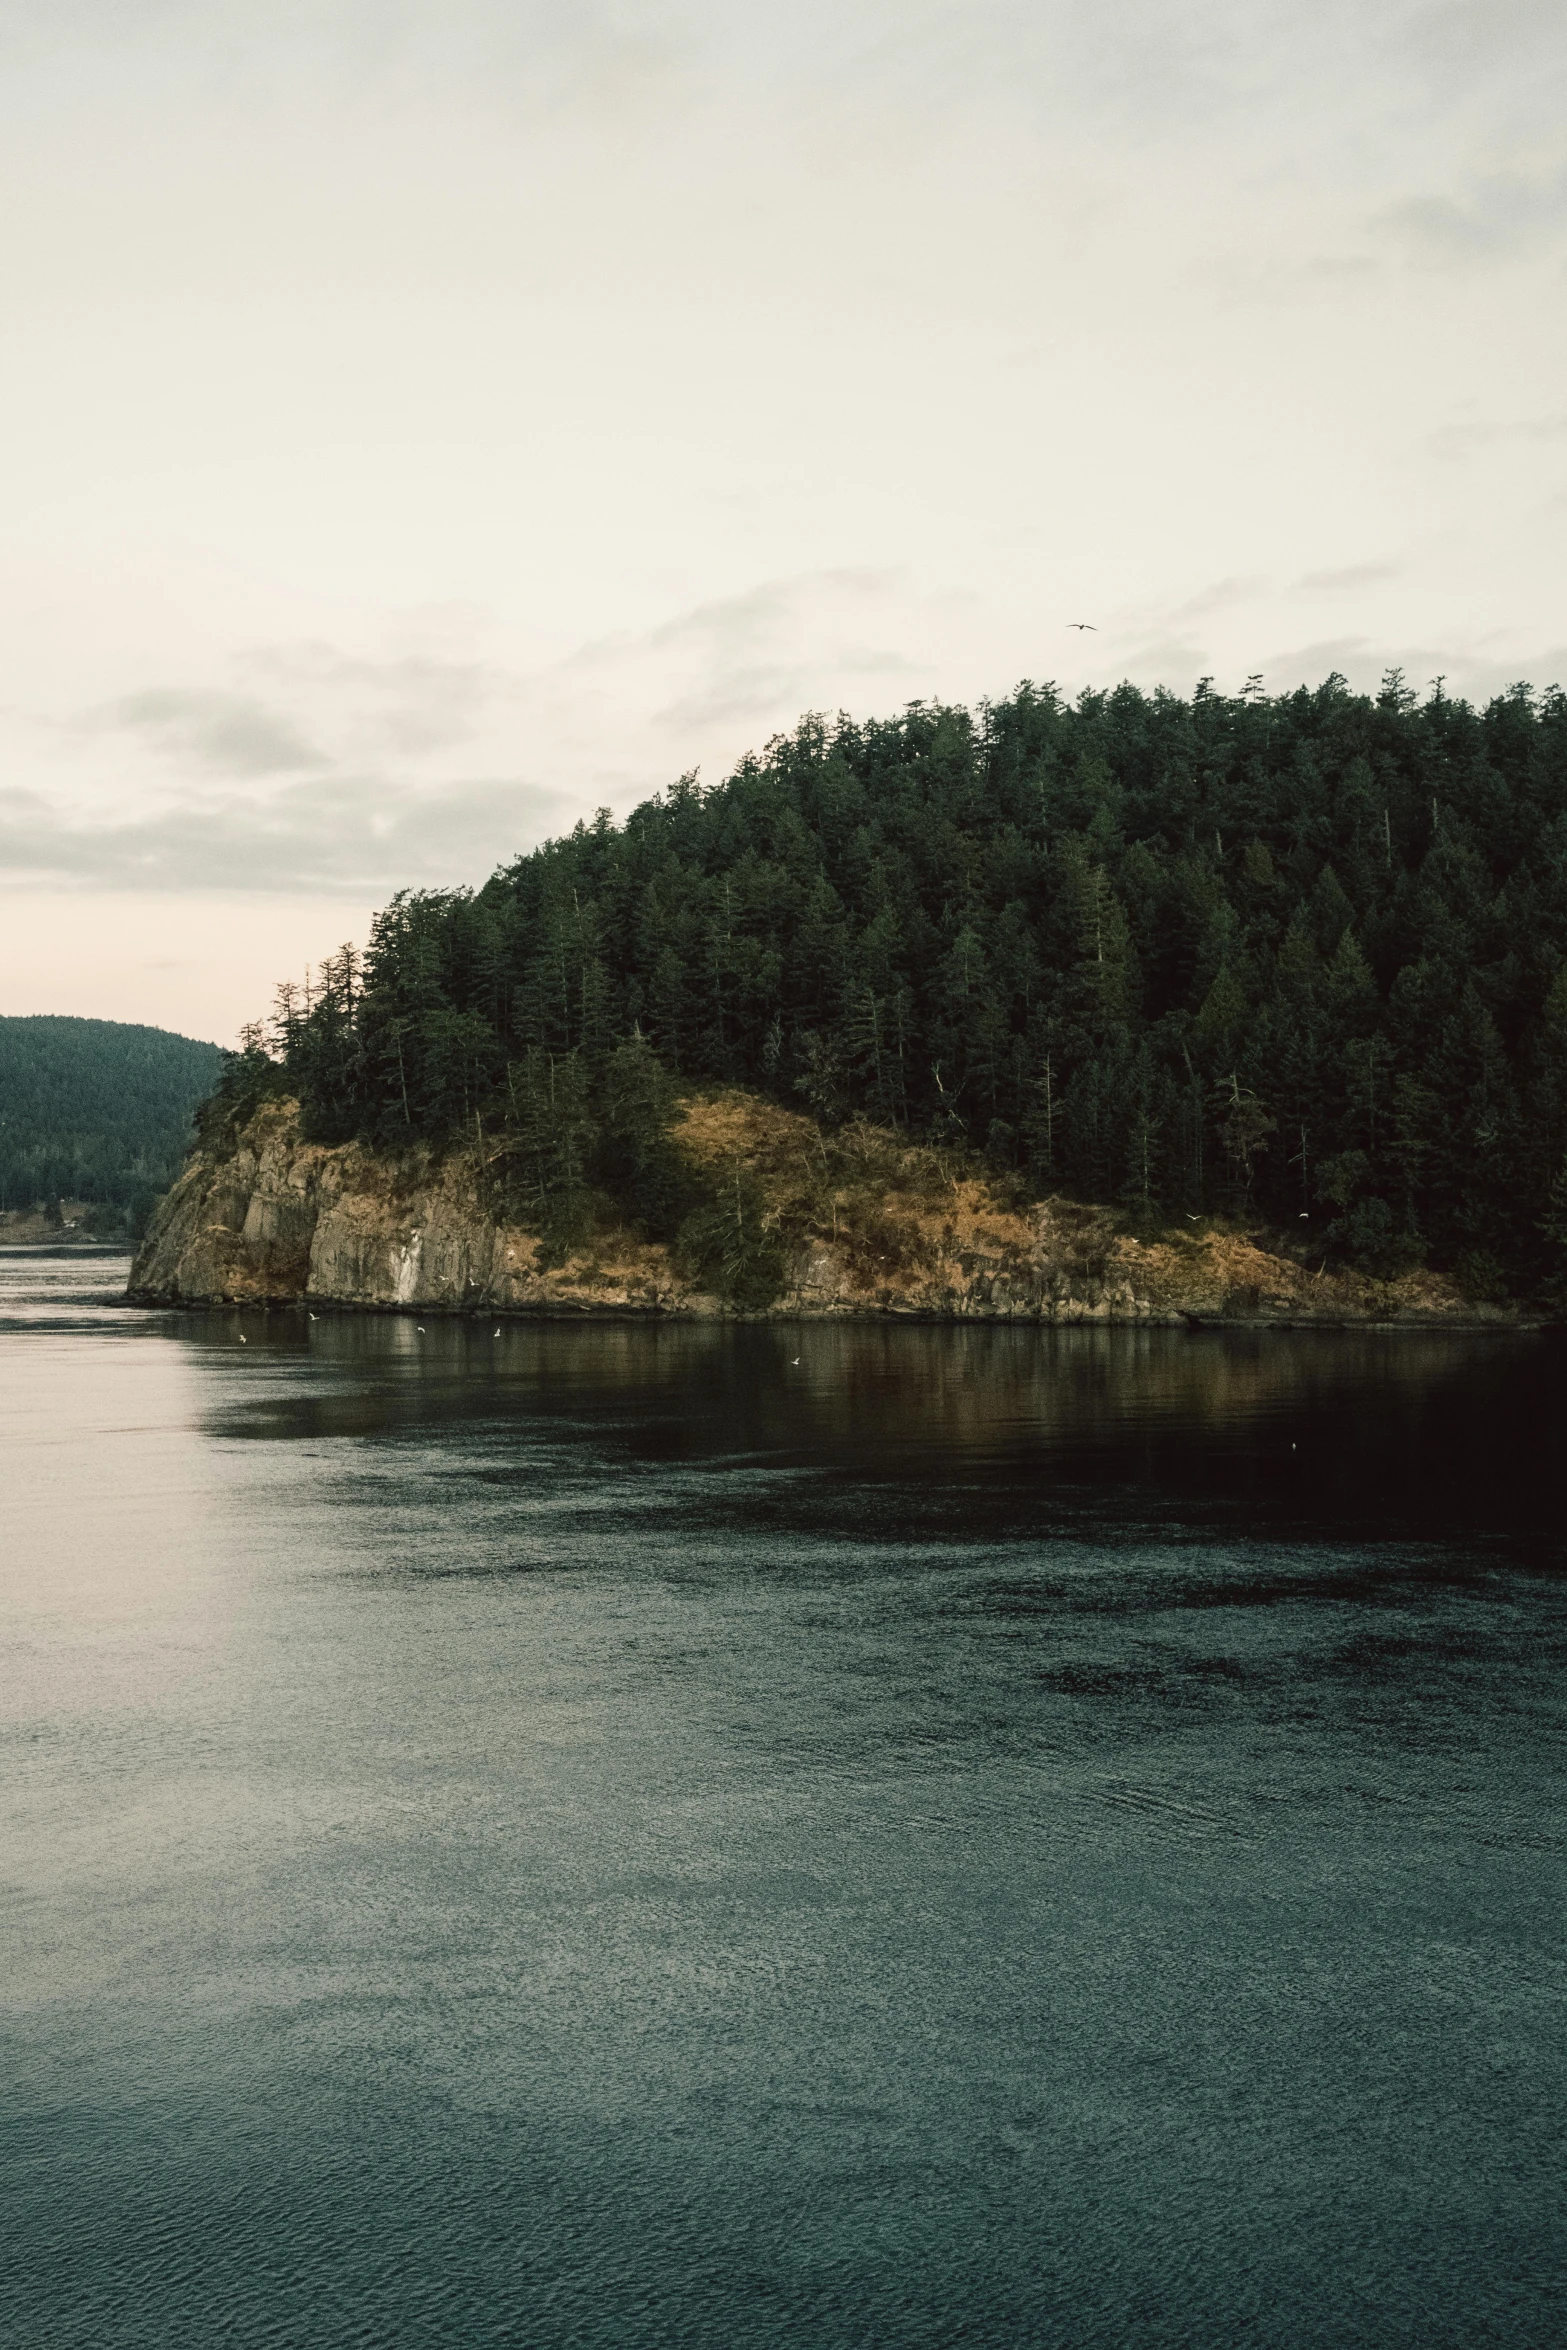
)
(96, 1110)
(1300, 959)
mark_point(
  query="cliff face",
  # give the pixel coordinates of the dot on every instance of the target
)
(868, 1226)
(279, 1220)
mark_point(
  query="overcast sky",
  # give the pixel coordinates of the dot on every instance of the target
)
(427, 420)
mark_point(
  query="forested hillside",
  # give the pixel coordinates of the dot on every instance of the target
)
(1292, 958)
(95, 1109)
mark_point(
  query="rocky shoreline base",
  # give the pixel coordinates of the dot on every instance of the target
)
(867, 1226)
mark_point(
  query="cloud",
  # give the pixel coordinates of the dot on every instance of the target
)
(405, 705)
(323, 769)
(727, 624)
(744, 696)
(1435, 230)
(1222, 596)
(1163, 643)
(223, 734)
(1466, 434)
(343, 836)
(747, 665)
(1453, 45)
(1468, 671)
(1497, 219)
(1353, 575)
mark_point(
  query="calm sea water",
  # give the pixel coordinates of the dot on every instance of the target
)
(634, 1836)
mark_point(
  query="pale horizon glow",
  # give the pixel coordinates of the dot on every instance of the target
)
(428, 424)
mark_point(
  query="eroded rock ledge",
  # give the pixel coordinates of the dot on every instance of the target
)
(277, 1219)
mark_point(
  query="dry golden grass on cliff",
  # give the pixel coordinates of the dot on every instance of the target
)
(902, 1218)
(891, 1211)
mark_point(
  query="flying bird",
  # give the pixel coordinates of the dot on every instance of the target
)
(243, 1340)
(1084, 624)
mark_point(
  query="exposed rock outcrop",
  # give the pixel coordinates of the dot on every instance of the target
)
(869, 1225)
(279, 1219)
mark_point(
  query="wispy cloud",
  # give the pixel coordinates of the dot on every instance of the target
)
(328, 770)
(748, 664)
(1475, 671)
(1494, 220)
(401, 705)
(220, 734)
(1465, 435)
(342, 837)
(1353, 575)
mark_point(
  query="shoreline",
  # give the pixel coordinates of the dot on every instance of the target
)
(1193, 1322)
(892, 1232)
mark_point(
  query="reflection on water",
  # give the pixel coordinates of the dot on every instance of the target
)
(635, 1835)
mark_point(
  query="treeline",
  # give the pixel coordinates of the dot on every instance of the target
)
(1302, 957)
(96, 1110)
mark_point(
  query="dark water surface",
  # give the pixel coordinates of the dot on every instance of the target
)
(618, 1837)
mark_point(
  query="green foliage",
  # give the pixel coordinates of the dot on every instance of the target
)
(246, 1080)
(138, 1215)
(95, 1110)
(1245, 1128)
(636, 1161)
(1290, 957)
(550, 1136)
(1553, 1228)
(1481, 1276)
(730, 1248)
(1369, 1235)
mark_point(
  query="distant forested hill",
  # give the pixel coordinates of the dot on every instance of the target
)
(1300, 957)
(95, 1109)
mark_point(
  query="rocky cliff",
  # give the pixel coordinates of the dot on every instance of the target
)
(867, 1225)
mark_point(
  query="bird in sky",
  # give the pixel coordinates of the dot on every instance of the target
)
(1084, 624)
(243, 1340)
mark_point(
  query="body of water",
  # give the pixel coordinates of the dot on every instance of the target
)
(615, 1837)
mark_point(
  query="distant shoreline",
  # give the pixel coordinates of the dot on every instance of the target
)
(87, 1247)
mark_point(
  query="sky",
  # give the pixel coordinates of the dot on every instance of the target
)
(427, 421)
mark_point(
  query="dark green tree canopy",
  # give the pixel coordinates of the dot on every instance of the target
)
(95, 1109)
(1300, 956)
